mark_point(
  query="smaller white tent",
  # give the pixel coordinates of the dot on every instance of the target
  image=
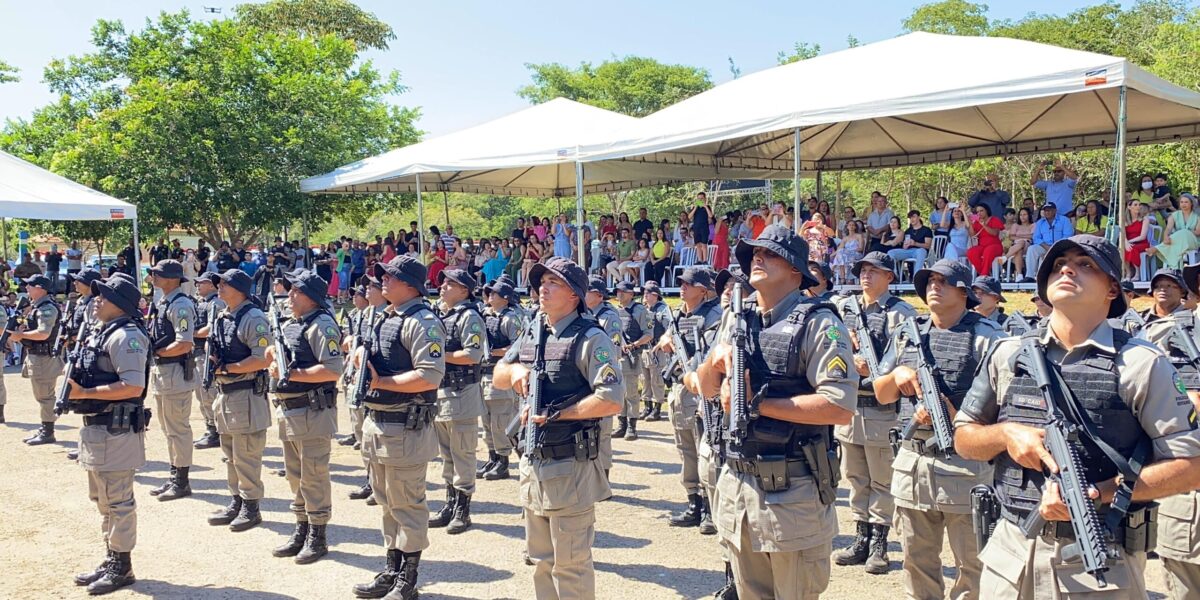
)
(28, 191)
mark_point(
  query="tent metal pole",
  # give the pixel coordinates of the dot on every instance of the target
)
(4, 234)
(420, 221)
(137, 255)
(581, 251)
(796, 180)
(820, 197)
(1117, 197)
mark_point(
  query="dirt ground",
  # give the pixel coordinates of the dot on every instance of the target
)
(49, 530)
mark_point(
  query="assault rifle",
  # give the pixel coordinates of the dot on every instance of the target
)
(852, 312)
(207, 371)
(534, 395)
(282, 358)
(1092, 537)
(61, 339)
(1181, 338)
(739, 402)
(62, 401)
(358, 387)
(931, 398)
(679, 359)
(1018, 325)
(13, 321)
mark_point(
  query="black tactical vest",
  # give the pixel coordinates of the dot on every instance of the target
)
(301, 353)
(390, 357)
(162, 332)
(564, 385)
(493, 323)
(656, 314)
(772, 356)
(89, 374)
(454, 321)
(877, 325)
(230, 348)
(1096, 385)
(954, 359)
(694, 321)
(79, 317)
(630, 328)
(47, 345)
(1178, 356)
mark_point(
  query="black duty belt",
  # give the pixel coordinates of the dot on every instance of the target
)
(39, 350)
(865, 401)
(236, 386)
(918, 446)
(584, 445)
(171, 360)
(293, 403)
(1132, 528)
(795, 467)
(425, 413)
(198, 345)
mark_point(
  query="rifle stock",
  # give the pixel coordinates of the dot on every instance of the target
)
(739, 403)
(931, 397)
(534, 396)
(281, 357)
(852, 312)
(62, 400)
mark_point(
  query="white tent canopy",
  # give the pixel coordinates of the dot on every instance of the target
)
(916, 99)
(30, 192)
(531, 152)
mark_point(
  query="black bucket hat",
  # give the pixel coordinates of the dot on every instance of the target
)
(876, 259)
(565, 269)
(237, 279)
(731, 275)
(1191, 273)
(406, 269)
(823, 269)
(85, 276)
(1174, 275)
(39, 281)
(310, 284)
(502, 288)
(781, 241)
(990, 285)
(168, 268)
(698, 276)
(956, 274)
(119, 291)
(461, 277)
(626, 286)
(1098, 249)
(597, 284)
(651, 287)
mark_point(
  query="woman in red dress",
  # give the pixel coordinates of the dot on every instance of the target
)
(720, 258)
(437, 262)
(1137, 234)
(986, 229)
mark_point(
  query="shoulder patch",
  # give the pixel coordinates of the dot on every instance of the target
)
(601, 355)
(435, 350)
(836, 368)
(833, 334)
(607, 374)
(333, 348)
(262, 342)
(473, 341)
(474, 327)
(135, 345)
(1178, 383)
(331, 331)
(433, 333)
(260, 328)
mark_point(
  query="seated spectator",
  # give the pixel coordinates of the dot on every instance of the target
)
(817, 234)
(660, 257)
(1092, 221)
(986, 231)
(893, 238)
(960, 235)
(917, 240)
(1180, 236)
(1048, 229)
(940, 219)
(850, 248)
(533, 255)
(879, 223)
(1137, 234)
(848, 215)
(625, 249)
(516, 258)
(1145, 191)
(1020, 235)
(632, 268)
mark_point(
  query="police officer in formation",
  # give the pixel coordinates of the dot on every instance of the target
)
(503, 323)
(604, 314)
(1137, 440)
(778, 487)
(42, 367)
(362, 326)
(654, 391)
(208, 306)
(696, 323)
(824, 276)
(108, 388)
(78, 324)
(560, 476)
(459, 398)
(990, 295)
(239, 345)
(931, 485)
(636, 335)
(865, 442)
(172, 321)
(406, 366)
(306, 411)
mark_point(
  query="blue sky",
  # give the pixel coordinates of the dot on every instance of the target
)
(464, 60)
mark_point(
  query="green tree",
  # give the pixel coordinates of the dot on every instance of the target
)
(800, 51)
(8, 73)
(633, 85)
(317, 18)
(956, 17)
(208, 125)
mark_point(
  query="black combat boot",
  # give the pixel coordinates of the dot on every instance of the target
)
(487, 466)
(384, 580)
(1, 413)
(348, 440)
(622, 428)
(442, 517)
(856, 552)
(294, 543)
(45, 435)
(247, 518)
(706, 523)
(657, 414)
(362, 492)
(87, 577)
(225, 516)
(210, 439)
(631, 435)
(877, 559)
(166, 484)
(729, 592)
(118, 574)
(691, 516)
(647, 408)
(462, 514)
(315, 546)
(405, 587)
(180, 486)
(72, 454)
(498, 470)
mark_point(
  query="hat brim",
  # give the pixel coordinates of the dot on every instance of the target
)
(382, 269)
(1179, 281)
(1116, 308)
(245, 287)
(454, 276)
(988, 291)
(109, 293)
(317, 296)
(540, 270)
(744, 251)
(921, 283)
(857, 268)
(1190, 275)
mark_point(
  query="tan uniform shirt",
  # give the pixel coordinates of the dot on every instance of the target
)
(425, 338)
(100, 450)
(466, 403)
(871, 425)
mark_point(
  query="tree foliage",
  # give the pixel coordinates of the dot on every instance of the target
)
(8, 73)
(317, 18)
(956, 17)
(633, 85)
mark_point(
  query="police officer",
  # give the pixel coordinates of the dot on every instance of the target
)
(364, 323)
(603, 312)
(1167, 315)
(824, 276)
(636, 336)
(406, 367)
(653, 360)
(866, 448)
(207, 309)
(78, 323)
(990, 295)
(351, 324)
(41, 366)
(109, 388)
(696, 323)
(1130, 407)
(932, 486)
(460, 399)
(306, 410)
(172, 321)
(1132, 321)
(779, 483)
(503, 323)
(560, 478)
(239, 345)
